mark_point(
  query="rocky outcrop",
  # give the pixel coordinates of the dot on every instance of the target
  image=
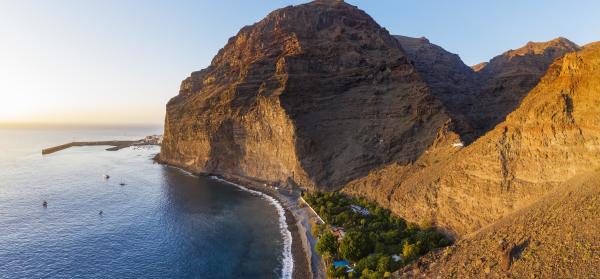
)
(316, 94)
(508, 77)
(478, 67)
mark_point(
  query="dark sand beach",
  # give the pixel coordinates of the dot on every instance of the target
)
(301, 249)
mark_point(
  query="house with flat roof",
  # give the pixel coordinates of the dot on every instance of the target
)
(360, 210)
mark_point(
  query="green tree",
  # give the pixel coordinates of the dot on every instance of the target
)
(342, 218)
(410, 251)
(340, 272)
(327, 245)
(331, 271)
(317, 229)
(354, 246)
(369, 274)
(384, 264)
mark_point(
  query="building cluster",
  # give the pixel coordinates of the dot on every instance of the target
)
(153, 139)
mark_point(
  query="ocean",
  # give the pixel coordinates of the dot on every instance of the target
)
(164, 223)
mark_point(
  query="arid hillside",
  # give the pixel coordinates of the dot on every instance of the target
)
(506, 79)
(479, 98)
(555, 237)
(552, 137)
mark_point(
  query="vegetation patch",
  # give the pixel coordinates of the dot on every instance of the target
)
(363, 240)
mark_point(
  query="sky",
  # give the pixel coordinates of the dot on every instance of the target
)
(120, 61)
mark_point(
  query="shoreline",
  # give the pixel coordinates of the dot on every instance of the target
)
(301, 248)
(301, 251)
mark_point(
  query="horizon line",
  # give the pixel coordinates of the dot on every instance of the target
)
(17, 124)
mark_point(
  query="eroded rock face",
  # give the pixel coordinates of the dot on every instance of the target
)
(508, 77)
(322, 96)
(317, 93)
(553, 136)
(480, 97)
(451, 81)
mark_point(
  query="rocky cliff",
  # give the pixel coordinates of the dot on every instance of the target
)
(480, 97)
(451, 81)
(317, 94)
(507, 78)
(321, 96)
(553, 136)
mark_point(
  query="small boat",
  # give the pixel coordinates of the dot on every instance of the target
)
(106, 176)
(45, 204)
(122, 184)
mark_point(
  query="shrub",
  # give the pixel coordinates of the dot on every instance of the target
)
(384, 263)
(354, 246)
(327, 245)
(410, 251)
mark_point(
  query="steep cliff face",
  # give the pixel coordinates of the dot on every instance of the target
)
(508, 77)
(479, 98)
(553, 136)
(451, 81)
(317, 93)
(320, 95)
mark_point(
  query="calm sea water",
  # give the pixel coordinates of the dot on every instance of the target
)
(163, 224)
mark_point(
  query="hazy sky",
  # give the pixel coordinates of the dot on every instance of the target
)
(120, 61)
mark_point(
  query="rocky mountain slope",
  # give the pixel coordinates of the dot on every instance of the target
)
(479, 98)
(316, 94)
(506, 79)
(553, 136)
(556, 237)
(450, 80)
(322, 97)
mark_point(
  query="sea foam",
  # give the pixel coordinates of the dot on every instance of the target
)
(288, 261)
